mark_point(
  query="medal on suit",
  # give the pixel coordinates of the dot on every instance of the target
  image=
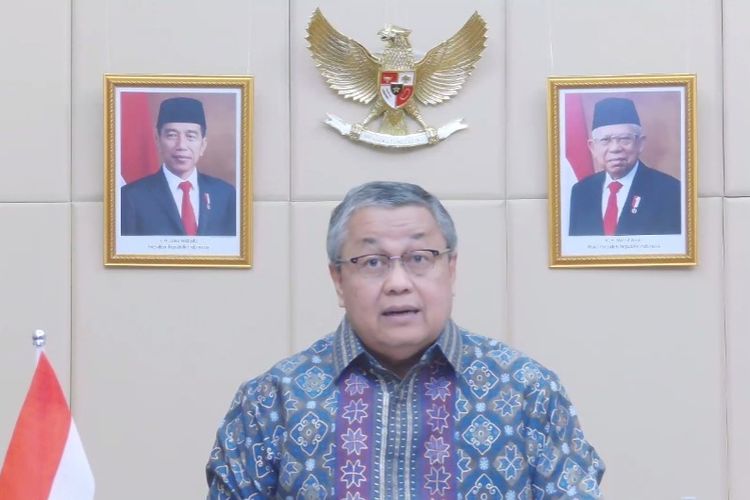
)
(634, 205)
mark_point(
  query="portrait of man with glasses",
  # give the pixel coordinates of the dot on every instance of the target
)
(626, 197)
(399, 401)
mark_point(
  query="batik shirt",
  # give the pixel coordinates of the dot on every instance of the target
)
(472, 419)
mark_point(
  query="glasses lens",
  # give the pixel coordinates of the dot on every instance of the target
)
(625, 141)
(373, 265)
(419, 262)
(416, 263)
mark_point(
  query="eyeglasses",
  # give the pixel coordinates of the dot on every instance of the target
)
(624, 140)
(415, 262)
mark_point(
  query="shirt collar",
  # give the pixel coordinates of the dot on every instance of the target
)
(347, 347)
(174, 181)
(626, 180)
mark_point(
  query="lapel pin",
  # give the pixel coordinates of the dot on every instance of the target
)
(634, 204)
(208, 200)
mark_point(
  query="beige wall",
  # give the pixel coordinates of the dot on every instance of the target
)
(661, 390)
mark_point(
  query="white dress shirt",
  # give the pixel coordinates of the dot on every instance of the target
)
(174, 183)
(622, 194)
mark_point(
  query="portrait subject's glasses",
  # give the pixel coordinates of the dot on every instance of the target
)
(415, 262)
(624, 140)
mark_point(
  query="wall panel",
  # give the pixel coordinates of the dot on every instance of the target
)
(736, 99)
(35, 294)
(549, 38)
(35, 86)
(640, 352)
(160, 352)
(737, 230)
(233, 37)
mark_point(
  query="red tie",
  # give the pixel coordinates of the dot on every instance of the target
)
(610, 215)
(188, 216)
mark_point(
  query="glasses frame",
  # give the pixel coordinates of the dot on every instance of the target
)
(392, 258)
(604, 142)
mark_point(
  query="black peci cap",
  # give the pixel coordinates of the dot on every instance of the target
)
(181, 110)
(614, 111)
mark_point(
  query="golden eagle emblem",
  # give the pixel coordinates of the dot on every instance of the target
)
(393, 82)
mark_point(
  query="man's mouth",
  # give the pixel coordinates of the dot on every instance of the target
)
(400, 311)
(616, 161)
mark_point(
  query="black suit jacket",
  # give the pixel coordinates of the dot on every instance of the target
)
(658, 210)
(147, 207)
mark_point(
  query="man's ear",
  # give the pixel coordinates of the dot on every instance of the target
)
(336, 278)
(641, 143)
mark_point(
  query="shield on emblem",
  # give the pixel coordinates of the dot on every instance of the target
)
(396, 87)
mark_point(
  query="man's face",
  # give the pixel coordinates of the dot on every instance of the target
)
(180, 147)
(398, 315)
(619, 154)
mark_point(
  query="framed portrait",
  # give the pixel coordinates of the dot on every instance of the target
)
(622, 173)
(178, 170)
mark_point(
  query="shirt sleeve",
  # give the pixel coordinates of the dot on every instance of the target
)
(562, 461)
(241, 464)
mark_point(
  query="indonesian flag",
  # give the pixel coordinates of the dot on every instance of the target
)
(575, 157)
(45, 459)
(139, 156)
(576, 139)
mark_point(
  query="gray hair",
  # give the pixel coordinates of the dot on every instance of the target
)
(382, 194)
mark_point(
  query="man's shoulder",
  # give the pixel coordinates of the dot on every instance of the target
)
(589, 185)
(502, 358)
(316, 359)
(144, 182)
(657, 176)
(210, 182)
(590, 180)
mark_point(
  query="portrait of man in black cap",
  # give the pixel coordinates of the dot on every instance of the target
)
(178, 199)
(627, 197)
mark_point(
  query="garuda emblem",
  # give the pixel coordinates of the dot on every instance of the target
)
(393, 83)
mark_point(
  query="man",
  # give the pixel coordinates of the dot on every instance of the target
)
(400, 402)
(177, 199)
(627, 197)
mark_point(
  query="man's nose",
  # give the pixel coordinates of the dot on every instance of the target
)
(397, 279)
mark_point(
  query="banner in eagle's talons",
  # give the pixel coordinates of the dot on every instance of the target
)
(357, 133)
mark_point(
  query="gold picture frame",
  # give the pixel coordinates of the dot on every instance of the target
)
(146, 222)
(644, 138)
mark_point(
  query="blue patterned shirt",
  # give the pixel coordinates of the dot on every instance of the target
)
(472, 419)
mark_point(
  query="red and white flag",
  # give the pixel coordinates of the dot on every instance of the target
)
(575, 157)
(139, 156)
(45, 459)
(576, 138)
